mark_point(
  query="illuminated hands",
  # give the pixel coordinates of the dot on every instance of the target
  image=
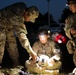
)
(33, 56)
(51, 60)
(55, 57)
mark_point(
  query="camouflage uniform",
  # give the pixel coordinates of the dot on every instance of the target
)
(11, 23)
(71, 47)
(46, 49)
(70, 20)
(71, 44)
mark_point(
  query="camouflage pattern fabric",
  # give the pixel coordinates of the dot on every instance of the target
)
(71, 47)
(12, 26)
(45, 49)
(69, 22)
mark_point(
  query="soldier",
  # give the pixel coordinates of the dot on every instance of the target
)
(71, 44)
(45, 46)
(70, 30)
(12, 20)
(72, 5)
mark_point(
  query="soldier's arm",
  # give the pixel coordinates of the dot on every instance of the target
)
(21, 31)
(68, 34)
(35, 47)
(23, 39)
(70, 46)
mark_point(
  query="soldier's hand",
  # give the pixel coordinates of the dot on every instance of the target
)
(52, 61)
(34, 56)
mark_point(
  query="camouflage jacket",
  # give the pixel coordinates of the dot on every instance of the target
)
(46, 49)
(12, 17)
(11, 11)
(71, 47)
(68, 33)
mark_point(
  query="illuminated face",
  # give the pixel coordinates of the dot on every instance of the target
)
(43, 38)
(31, 17)
(72, 6)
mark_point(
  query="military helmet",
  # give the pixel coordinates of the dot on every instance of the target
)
(72, 2)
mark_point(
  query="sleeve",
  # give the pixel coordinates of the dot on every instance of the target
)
(67, 32)
(35, 47)
(70, 46)
(21, 32)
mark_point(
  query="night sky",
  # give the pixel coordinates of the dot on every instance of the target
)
(56, 6)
